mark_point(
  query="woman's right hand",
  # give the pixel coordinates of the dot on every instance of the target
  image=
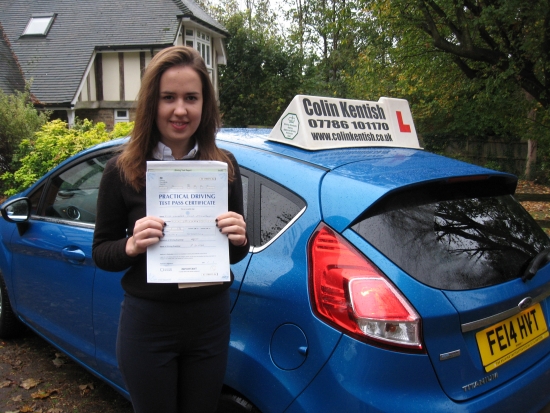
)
(147, 231)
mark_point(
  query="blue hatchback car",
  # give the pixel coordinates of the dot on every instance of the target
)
(380, 278)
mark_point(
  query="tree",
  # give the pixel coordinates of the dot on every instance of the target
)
(261, 76)
(328, 35)
(449, 94)
(502, 46)
(19, 120)
(495, 38)
(263, 72)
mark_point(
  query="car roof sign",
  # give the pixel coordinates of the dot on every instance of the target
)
(314, 123)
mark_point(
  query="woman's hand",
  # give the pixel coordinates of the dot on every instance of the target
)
(147, 231)
(232, 225)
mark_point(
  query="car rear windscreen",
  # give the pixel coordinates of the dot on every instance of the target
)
(454, 243)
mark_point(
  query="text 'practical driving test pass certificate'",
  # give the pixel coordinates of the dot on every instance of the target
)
(188, 196)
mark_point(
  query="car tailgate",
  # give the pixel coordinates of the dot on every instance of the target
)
(506, 323)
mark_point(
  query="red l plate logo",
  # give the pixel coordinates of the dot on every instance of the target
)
(402, 126)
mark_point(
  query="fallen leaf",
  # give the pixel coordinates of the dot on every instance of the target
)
(532, 187)
(86, 388)
(60, 359)
(6, 383)
(43, 394)
(26, 409)
(17, 398)
(29, 383)
(54, 410)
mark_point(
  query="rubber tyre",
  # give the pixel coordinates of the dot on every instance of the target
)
(10, 326)
(233, 403)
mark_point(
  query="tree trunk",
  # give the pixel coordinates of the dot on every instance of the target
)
(530, 166)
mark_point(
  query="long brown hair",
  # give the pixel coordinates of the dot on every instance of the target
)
(145, 136)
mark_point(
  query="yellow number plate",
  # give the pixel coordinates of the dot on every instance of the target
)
(509, 338)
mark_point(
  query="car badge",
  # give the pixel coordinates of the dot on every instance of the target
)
(525, 303)
(480, 382)
(449, 355)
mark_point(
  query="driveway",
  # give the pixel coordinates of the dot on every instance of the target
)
(35, 377)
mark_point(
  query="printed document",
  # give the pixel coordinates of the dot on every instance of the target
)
(188, 196)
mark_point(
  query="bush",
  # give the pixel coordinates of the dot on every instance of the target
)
(54, 143)
(19, 120)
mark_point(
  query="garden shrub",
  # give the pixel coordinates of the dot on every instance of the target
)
(54, 143)
(19, 120)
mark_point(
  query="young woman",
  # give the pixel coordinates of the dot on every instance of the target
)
(172, 342)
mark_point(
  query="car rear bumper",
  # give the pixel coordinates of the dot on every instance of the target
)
(361, 378)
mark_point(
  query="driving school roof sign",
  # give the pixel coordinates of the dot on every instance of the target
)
(314, 123)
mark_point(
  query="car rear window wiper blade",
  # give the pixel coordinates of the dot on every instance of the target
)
(535, 264)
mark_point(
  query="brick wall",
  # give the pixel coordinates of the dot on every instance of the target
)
(107, 116)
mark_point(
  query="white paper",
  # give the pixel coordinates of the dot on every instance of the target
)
(188, 196)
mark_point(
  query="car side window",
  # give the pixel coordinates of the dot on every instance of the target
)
(269, 207)
(276, 211)
(72, 194)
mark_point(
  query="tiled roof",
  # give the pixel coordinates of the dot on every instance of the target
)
(192, 9)
(11, 78)
(57, 62)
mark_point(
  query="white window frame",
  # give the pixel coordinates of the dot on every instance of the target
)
(39, 24)
(121, 118)
(201, 41)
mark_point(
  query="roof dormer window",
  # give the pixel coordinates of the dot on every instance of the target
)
(39, 25)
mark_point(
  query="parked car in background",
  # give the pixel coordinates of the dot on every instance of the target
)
(380, 278)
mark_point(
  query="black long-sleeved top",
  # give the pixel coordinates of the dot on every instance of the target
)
(119, 206)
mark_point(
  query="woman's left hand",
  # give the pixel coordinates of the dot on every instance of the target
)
(232, 225)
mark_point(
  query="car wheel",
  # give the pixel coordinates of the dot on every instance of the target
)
(10, 326)
(233, 403)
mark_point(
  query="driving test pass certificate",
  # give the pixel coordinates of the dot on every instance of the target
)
(188, 196)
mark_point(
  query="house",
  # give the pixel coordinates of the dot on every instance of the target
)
(85, 57)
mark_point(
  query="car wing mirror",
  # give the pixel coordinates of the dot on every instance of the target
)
(17, 211)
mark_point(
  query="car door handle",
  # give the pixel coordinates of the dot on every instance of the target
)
(73, 254)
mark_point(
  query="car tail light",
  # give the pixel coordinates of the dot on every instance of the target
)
(351, 293)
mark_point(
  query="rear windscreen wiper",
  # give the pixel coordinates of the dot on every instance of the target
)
(535, 264)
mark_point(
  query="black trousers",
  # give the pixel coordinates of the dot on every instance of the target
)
(173, 355)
